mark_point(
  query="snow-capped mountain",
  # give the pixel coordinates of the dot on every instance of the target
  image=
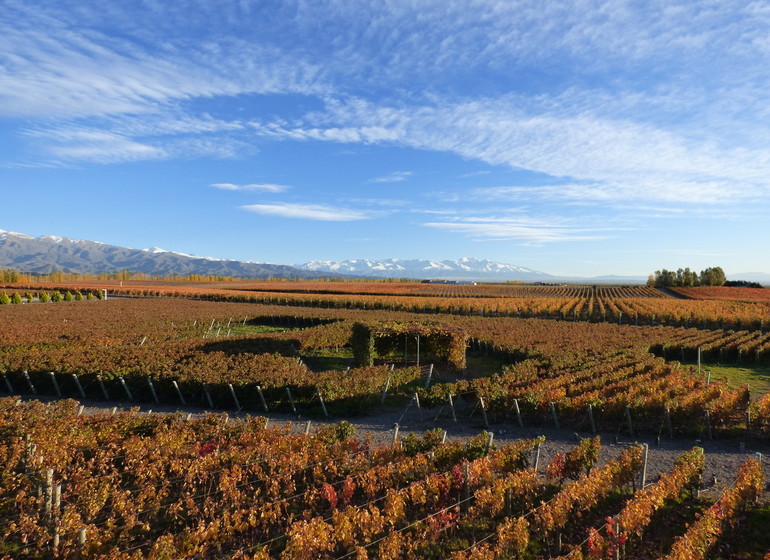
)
(51, 253)
(465, 268)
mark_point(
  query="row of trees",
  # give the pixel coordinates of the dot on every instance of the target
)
(45, 297)
(712, 276)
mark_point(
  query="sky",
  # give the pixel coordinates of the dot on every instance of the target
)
(576, 137)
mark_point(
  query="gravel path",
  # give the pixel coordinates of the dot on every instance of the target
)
(723, 456)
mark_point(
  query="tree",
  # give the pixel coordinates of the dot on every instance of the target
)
(4, 299)
(56, 296)
(713, 276)
(16, 299)
(44, 297)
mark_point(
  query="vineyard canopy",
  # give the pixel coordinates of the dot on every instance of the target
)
(372, 340)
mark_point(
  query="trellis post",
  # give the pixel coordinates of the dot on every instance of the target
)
(554, 414)
(591, 418)
(152, 390)
(517, 411)
(29, 383)
(178, 392)
(235, 397)
(55, 383)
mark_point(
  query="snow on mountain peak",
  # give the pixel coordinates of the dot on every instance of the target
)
(464, 268)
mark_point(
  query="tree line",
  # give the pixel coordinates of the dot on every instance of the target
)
(712, 276)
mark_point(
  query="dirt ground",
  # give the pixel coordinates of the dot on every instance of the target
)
(723, 456)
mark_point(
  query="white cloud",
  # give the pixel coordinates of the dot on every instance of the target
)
(264, 187)
(395, 177)
(95, 146)
(516, 228)
(667, 101)
(320, 212)
(67, 61)
(610, 158)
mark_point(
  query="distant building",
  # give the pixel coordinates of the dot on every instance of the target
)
(463, 282)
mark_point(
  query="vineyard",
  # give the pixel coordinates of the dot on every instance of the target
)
(625, 363)
(635, 305)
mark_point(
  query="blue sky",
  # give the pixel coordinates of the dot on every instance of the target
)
(577, 138)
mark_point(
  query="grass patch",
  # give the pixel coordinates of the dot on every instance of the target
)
(757, 376)
(239, 329)
(478, 364)
(328, 359)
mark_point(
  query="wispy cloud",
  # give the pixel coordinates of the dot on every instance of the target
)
(516, 228)
(395, 177)
(95, 146)
(596, 98)
(319, 212)
(608, 158)
(263, 187)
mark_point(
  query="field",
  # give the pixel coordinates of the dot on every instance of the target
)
(543, 391)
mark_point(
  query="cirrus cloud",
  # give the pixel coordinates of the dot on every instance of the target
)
(263, 187)
(319, 212)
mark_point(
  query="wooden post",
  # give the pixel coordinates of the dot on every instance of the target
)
(707, 420)
(55, 383)
(748, 424)
(262, 398)
(291, 400)
(208, 395)
(103, 388)
(79, 386)
(81, 408)
(667, 421)
(235, 397)
(508, 501)
(452, 408)
(516, 410)
(152, 390)
(554, 415)
(29, 383)
(430, 374)
(82, 539)
(385, 389)
(417, 402)
(307, 428)
(8, 385)
(644, 465)
(395, 434)
(629, 423)
(591, 418)
(484, 412)
(125, 388)
(178, 392)
(490, 439)
(323, 404)
(418, 350)
(537, 456)
(443, 436)
(708, 377)
(48, 496)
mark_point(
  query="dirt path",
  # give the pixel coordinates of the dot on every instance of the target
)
(723, 456)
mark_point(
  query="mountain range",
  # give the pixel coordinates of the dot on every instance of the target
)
(465, 268)
(51, 253)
